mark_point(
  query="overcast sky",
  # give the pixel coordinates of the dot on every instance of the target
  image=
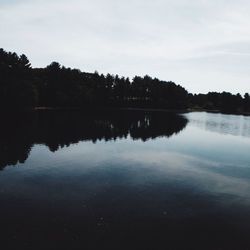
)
(203, 45)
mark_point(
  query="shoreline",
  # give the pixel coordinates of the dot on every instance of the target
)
(112, 108)
(188, 110)
(218, 112)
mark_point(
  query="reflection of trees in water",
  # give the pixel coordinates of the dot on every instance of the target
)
(55, 129)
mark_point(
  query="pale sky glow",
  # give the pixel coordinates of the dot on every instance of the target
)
(203, 45)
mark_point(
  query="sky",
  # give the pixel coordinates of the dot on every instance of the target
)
(203, 45)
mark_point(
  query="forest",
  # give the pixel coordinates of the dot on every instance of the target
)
(22, 86)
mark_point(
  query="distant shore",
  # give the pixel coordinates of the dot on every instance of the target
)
(88, 109)
(138, 109)
(217, 111)
(113, 108)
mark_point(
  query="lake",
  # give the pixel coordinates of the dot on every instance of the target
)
(124, 180)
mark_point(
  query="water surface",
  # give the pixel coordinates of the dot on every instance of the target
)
(124, 180)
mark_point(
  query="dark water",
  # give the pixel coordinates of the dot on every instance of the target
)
(124, 180)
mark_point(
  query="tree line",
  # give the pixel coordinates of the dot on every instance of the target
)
(223, 102)
(57, 86)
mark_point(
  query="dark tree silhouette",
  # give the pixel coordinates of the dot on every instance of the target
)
(22, 86)
(246, 102)
(16, 83)
(57, 86)
(223, 102)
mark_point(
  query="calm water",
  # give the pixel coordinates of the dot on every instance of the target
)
(124, 180)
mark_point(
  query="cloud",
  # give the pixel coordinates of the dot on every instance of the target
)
(203, 45)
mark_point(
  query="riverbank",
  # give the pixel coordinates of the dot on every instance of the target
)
(146, 109)
(112, 108)
(218, 111)
(188, 110)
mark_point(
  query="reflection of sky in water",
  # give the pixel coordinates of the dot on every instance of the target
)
(224, 124)
(196, 182)
(193, 174)
(215, 164)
